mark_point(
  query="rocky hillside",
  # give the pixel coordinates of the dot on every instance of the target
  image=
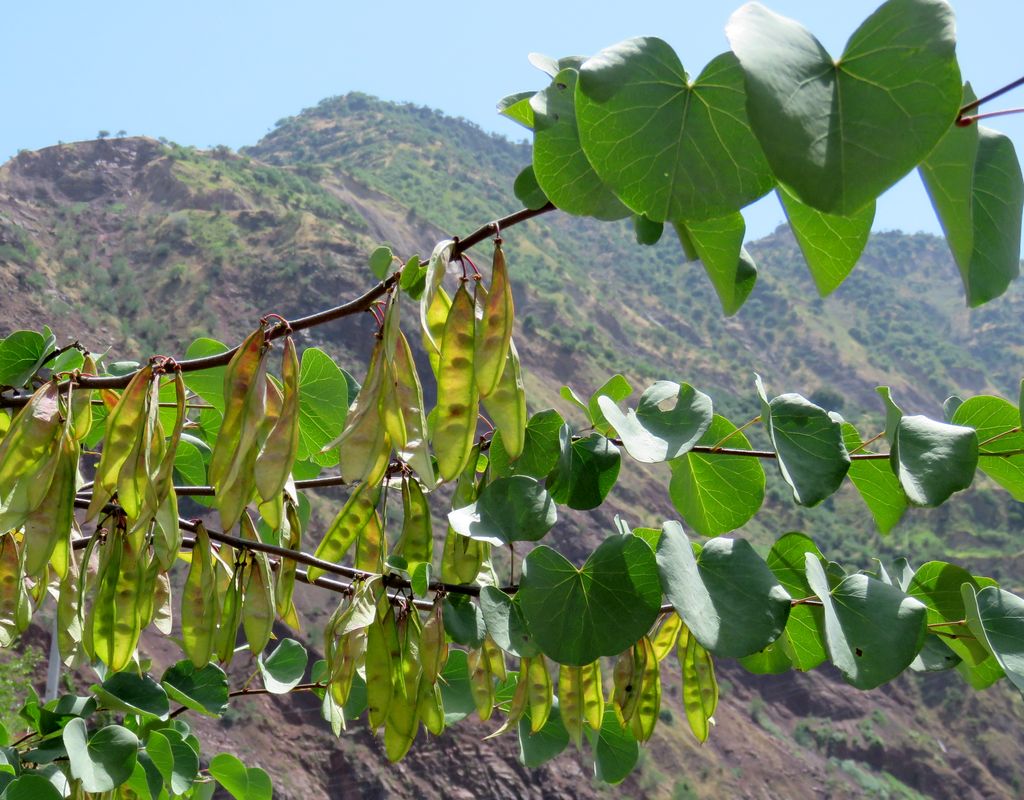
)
(139, 246)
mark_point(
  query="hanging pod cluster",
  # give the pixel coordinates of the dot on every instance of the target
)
(259, 435)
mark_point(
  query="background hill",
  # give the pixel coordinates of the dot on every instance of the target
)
(141, 246)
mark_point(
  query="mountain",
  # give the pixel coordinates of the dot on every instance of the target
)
(141, 246)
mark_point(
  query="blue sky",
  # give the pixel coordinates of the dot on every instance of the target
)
(207, 73)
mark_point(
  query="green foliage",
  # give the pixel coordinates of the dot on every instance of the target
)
(625, 133)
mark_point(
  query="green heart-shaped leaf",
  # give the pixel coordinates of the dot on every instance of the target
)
(540, 448)
(727, 596)
(830, 243)
(933, 460)
(670, 148)
(669, 419)
(839, 132)
(134, 694)
(562, 170)
(537, 748)
(995, 419)
(873, 630)
(104, 760)
(204, 690)
(585, 472)
(602, 608)
(505, 623)
(718, 243)
(974, 181)
(283, 669)
(809, 443)
(513, 509)
(805, 628)
(939, 586)
(876, 484)
(323, 404)
(717, 493)
(244, 783)
(174, 758)
(615, 749)
(996, 617)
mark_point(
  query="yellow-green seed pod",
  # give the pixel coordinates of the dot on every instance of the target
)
(649, 701)
(481, 683)
(416, 544)
(494, 331)
(665, 639)
(258, 604)
(403, 715)
(379, 678)
(284, 587)
(347, 655)
(164, 479)
(199, 607)
(30, 441)
(433, 645)
(700, 688)
(81, 403)
(430, 707)
(627, 681)
(15, 611)
(506, 405)
(436, 316)
(570, 701)
(69, 613)
(135, 489)
(245, 403)
(48, 526)
(496, 658)
(408, 398)
(231, 609)
(347, 525)
(122, 430)
(371, 546)
(457, 398)
(539, 692)
(104, 612)
(365, 444)
(519, 703)
(275, 460)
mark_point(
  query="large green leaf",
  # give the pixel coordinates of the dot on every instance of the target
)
(456, 694)
(537, 748)
(670, 418)
(562, 170)
(104, 760)
(728, 598)
(939, 586)
(323, 402)
(20, 355)
(809, 443)
(995, 417)
(878, 487)
(540, 449)
(243, 783)
(517, 108)
(671, 148)
(718, 243)
(804, 636)
(933, 460)
(831, 244)
(283, 669)
(30, 786)
(174, 758)
(585, 472)
(204, 690)
(615, 749)
(839, 132)
(134, 694)
(513, 509)
(873, 630)
(503, 617)
(577, 615)
(996, 617)
(974, 181)
(717, 493)
(207, 383)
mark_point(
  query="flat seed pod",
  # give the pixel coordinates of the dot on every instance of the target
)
(416, 544)
(199, 607)
(494, 330)
(506, 405)
(347, 525)
(539, 692)
(457, 398)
